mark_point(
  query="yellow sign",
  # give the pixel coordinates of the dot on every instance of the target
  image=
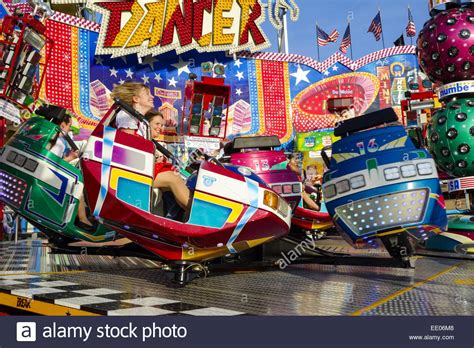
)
(149, 27)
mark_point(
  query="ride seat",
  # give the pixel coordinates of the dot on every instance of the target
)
(157, 204)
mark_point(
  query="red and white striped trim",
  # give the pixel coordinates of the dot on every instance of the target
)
(58, 17)
(75, 21)
(336, 57)
(24, 7)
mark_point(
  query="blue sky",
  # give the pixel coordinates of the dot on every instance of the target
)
(331, 14)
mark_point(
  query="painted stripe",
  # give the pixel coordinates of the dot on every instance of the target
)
(42, 217)
(464, 281)
(43, 162)
(405, 290)
(53, 163)
(119, 173)
(108, 145)
(234, 206)
(252, 187)
(44, 308)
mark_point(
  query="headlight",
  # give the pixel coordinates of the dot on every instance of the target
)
(270, 199)
(424, 168)
(392, 173)
(343, 186)
(329, 191)
(408, 171)
(357, 182)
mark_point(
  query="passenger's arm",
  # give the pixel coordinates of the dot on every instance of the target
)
(309, 202)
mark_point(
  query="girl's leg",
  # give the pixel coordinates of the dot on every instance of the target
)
(170, 180)
(81, 212)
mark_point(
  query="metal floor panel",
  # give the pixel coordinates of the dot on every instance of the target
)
(35, 256)
(437, 286)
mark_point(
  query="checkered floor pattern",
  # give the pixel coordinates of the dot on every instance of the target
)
(101, 301)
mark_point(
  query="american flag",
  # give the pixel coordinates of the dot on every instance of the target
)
(346, 40)
(323, 38)
(466, 183)
(411, 29)
(376, 27)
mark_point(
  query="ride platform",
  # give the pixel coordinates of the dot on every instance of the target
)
(34, 280)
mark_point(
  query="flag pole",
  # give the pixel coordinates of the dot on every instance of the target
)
(381, 25)
(411, 37)
(349, 24)
(317, 40)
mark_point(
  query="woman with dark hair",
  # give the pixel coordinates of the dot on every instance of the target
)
(166, 177)
(61, 149)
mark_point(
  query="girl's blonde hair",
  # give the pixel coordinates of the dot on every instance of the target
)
(127, 90)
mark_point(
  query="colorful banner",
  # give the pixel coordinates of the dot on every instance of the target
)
(315, 141)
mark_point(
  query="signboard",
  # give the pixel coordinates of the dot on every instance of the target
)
(436, 3)
(314, 141)
(9, 111)
(454, 88)
(148, 27)
(201, 143)
(460, 184)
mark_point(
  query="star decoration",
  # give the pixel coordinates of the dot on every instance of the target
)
(240, 75)
(113, 72)
(145, 79)
(66, 57)
(182, 66)
(238, 91)
(129, 73)
(99, 61)
(300, 75)
(150, 60)
(237, 63)
(382, 62)
(121, 81)
(334, 68)
(172, 82)
(158, 77)
(326, 73)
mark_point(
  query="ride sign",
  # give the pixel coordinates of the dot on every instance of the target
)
(450, 89)
(154, 27)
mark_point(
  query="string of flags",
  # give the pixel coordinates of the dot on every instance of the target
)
(376, 28)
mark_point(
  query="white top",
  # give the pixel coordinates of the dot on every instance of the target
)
(60, 147)
(124, 120)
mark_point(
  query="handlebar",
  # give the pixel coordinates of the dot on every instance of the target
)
(129, 109)
(69, 141)
(325, 156)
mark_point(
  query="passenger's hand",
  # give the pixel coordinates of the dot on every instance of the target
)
(72, 156)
